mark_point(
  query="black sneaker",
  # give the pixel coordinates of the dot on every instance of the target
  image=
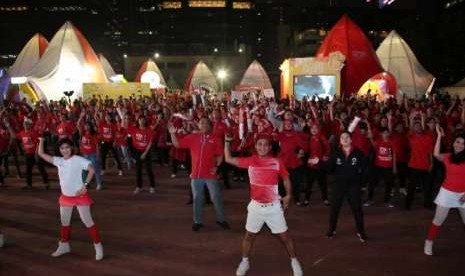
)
(362, 237)
(223, 224)
(331, 234)
(196, 227)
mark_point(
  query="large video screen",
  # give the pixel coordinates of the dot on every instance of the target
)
(314, 85)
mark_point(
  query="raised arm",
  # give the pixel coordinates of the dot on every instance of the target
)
(41, 152)
(174, 139)
(437, 146)
(227, 151)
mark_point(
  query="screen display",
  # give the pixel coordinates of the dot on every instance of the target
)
(314, 85)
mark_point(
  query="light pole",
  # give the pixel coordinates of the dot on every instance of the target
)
(222, 74)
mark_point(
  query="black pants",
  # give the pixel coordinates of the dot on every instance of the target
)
(30, 162)
(14, 153)
(296, 177)
(148, 168)
(318, 175)
(163, 155)
(402, 173)
(223, 170)
(422, 178)
(3, 157)
(377, 174)
(105, 147)
(351, 189)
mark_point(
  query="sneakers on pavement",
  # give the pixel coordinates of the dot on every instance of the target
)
(243, 267)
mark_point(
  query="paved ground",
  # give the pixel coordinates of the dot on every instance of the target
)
(150, 235)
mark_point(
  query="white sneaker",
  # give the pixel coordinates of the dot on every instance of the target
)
(243, 267)
(2, 240)
(152, 190)
(98, 251)
(296, 268)
(173, 176)
(63, 248)
(120, 173)
(428, 248)
(137, 190)
(99, 187)
(102, 172)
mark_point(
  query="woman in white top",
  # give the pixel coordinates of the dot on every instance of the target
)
(73, 194)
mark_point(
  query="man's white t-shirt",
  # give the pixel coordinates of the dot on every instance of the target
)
(70, 173)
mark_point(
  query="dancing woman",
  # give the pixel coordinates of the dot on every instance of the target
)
(73, 194)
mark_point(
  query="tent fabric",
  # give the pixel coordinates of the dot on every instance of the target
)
(29, 56)
(107, 68)
(383, 84)
(68, 62)
(255, 76)
(397, 58)
(361, 60)
(171, 83)
(150, 65)
(200, 76)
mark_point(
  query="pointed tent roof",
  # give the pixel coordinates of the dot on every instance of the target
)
(107, 68)
(29, 56)
(398, 59)
(68, 62)
(200, 75)
(256, 76)
(150, 65)
(460, 83)
(171, 83)
(361, 60)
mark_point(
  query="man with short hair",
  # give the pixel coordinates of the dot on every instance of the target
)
(265, 206)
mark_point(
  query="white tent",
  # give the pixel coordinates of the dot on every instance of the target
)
(255, 76)
(397, 58)
(149, 72)
(68, 62)
(29, 56)
(107, 68)
(201, 77)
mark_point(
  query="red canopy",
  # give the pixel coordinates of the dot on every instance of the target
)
(361, 60)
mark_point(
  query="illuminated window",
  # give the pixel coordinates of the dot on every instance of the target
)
(207, 4)
(242, 5)
(171, 5)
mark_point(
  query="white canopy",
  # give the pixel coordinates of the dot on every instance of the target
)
(397, 58)
(255, 76)
(68, 62)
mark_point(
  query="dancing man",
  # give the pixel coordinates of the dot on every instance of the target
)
(265, 206)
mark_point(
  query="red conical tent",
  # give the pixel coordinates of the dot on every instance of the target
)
(361, 60)
(150, 65)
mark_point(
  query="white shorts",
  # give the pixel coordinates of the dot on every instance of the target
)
(449, 199)
(271, 213)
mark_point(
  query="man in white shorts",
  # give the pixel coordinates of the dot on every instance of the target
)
(265, 206)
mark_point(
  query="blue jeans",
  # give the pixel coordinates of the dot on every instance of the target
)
(198, 186)
(96, 164)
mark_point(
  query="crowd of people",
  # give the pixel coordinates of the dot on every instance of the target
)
(281, 146)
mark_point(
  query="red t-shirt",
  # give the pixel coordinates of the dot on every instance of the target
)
(219, 129)
(121, 136)
(263, 174)
(65, 130)
(384, 153)
(141, 138)
(107, 131)
(361, 141)
(204, 148)
(454, 176)
(29, 140)
(318, 147)
(289, 143)
(88, 144)
(421, 147)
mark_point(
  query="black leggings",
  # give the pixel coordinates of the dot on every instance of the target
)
(351, 189)
(148, 168)
(377, 174)
(320, 176)
(423, 178)
(104, 149)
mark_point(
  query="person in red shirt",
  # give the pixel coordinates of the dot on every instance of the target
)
(402, 150)
(420, 164)
(207, 154)
(384, 166)
(121, 143)
(291, 152)
(265, 206)
(29, 140)
(106, 130)
(452, 192)
(89, 147)
(142, 138)
(318, 147)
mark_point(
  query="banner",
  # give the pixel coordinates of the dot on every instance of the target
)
(268, 93)
(236, 95)
(115, 90)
